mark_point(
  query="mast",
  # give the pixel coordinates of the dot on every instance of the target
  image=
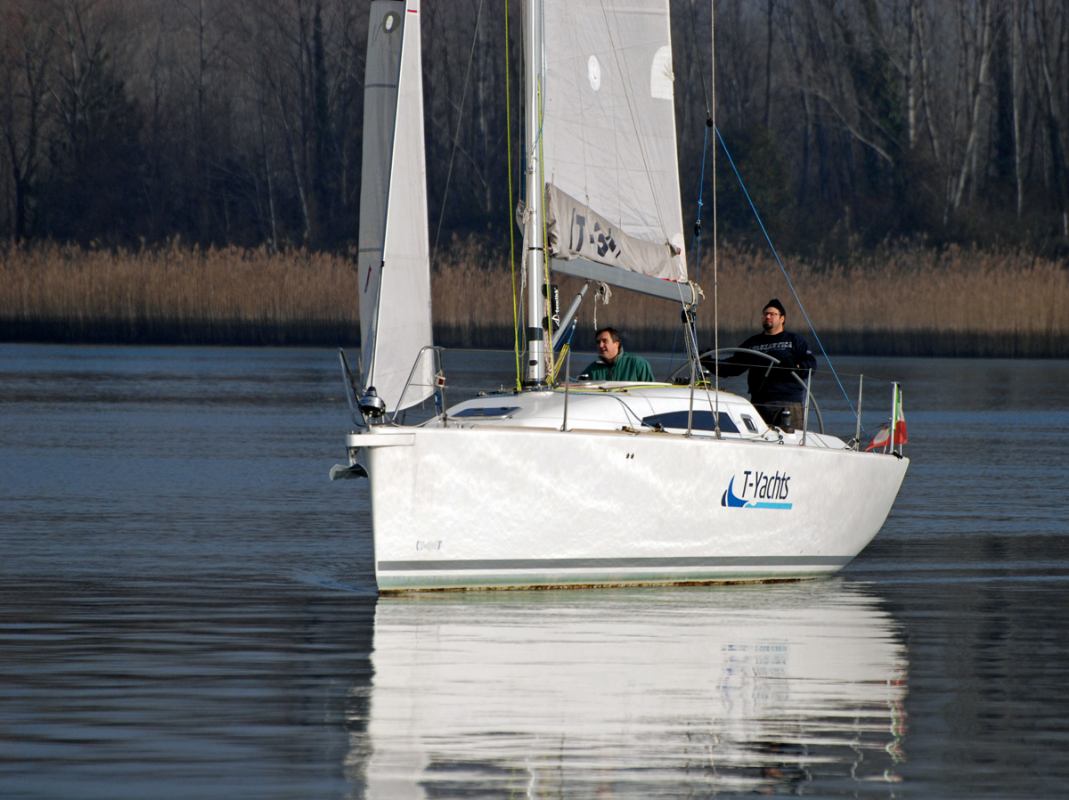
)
(534, 220)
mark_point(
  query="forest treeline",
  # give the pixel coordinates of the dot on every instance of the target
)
(238, 122)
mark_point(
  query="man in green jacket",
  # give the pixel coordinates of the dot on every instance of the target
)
(613, 363)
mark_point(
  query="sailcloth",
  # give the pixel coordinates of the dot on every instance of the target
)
(608, 136)
(394, 258)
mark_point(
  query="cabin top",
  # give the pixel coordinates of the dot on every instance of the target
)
(619, 406)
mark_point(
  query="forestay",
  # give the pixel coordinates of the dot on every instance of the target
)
(609, 143)
(394, 260)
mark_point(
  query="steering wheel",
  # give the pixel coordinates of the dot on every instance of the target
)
(772, 363)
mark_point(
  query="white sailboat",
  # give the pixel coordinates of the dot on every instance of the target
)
(564, 484)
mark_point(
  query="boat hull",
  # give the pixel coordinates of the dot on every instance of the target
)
(521, 507)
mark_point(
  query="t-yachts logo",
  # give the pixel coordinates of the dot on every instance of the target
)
(759, 489)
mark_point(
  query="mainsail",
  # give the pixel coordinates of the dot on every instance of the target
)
(394, 260)
(608, 141)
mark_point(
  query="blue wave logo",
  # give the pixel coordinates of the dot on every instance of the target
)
(729, 500)
(759, 490)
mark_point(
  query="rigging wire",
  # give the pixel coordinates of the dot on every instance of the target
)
(690, 321)
(547, 304)
(456, 134)
(697, 239)
(782, 267)
(511, 205)
(711, 123)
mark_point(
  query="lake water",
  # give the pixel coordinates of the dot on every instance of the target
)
(187, 609)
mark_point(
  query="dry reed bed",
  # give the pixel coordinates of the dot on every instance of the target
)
(175, 283)
(954, 291)
(906, 290)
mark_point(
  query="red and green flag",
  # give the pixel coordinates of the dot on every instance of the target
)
(894, 434)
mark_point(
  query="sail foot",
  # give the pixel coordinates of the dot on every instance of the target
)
(577, 231)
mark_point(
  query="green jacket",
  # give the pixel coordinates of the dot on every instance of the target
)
(626, 367)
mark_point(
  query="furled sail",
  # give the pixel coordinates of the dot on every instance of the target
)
(608, 138)
(394, 259)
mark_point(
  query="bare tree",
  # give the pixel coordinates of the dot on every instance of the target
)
(26, 43)
(977, 26)
(1051, 55)
(240, 120)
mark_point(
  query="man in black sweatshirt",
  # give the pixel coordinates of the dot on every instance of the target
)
(774, 392)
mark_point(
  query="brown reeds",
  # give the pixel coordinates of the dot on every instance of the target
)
(175, 294)
(906, 300)
(902, 301)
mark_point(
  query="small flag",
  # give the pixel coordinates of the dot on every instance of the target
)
(901, 435)
(883, 437)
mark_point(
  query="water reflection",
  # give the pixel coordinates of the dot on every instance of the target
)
(633, 693)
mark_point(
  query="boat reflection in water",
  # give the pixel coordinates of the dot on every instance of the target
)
(633, 693)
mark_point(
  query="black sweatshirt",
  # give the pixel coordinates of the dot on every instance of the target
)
(779, 384)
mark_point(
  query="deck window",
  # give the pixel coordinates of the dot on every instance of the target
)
(702, 421)
(487, 412)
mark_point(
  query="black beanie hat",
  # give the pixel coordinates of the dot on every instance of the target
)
(776, 304)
